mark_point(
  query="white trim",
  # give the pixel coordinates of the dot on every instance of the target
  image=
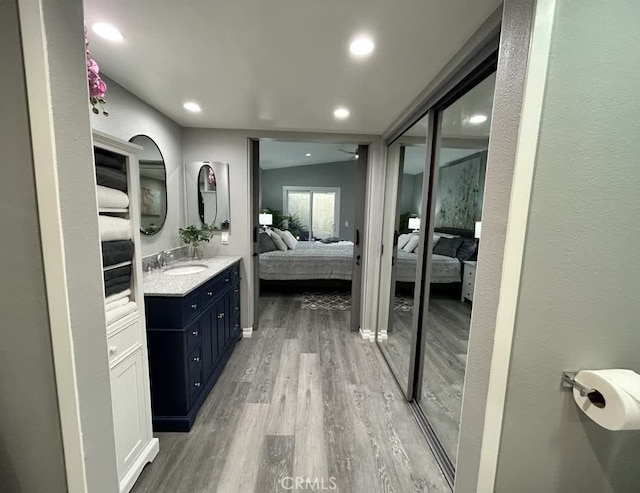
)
(382, 335)
(368, 335)
(515, 239)
(45, 166)
(146, 456)
(312, 190)
(247, 332)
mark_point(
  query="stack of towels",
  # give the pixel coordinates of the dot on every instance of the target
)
(115, 235)
(119, 305)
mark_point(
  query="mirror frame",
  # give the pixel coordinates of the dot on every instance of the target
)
(166, 189)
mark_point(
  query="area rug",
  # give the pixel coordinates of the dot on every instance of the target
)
(341, 300)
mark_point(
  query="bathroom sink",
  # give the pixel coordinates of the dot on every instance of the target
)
(181, 270)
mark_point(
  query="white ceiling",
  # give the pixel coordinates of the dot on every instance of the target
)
(278, 154)
(281, 64)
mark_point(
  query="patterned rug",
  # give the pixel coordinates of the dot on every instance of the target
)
(341, 300)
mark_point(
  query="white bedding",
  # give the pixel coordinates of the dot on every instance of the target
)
(315, 260)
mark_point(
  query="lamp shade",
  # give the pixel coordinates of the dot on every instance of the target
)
(414, 223)
(265, 219)
(478, 228)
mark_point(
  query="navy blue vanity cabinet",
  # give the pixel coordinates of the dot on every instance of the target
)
(190, 341)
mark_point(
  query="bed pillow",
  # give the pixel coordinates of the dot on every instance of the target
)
(436, 239)
(467, 249)
(403, 240)
(266, 243)
(412, 244)
(278, 242)
(289, 240)
(448, 247)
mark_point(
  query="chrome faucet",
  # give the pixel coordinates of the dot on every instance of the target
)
(162, 261)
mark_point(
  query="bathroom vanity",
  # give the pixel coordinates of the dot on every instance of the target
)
(193, 324)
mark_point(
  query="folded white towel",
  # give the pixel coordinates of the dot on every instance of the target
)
(117, 296)
(114, 228)
(121, 312)
(115, 304)
(110, 198)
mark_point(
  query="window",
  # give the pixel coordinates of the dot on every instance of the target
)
(317, 208)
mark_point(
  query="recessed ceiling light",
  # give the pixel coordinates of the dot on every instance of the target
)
(308, 154)
(191, 106)
(476, 119)
(341, 113)
(361, 46)
(107, 31)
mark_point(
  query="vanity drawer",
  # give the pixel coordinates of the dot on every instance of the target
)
(191, 307)
(195, 382)
(123, 339)
(195, 361)
(194, 336)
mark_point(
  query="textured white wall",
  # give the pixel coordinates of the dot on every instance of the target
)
(129, 116)
(577, 304)
(507, 103)
(68, 113)
(30, 425)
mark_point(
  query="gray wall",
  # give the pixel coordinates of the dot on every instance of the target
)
(411, 194)
(341, 175)
(578, 304)
(31, 450)
(129, 116)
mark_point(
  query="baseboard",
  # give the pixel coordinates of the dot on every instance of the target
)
(147, 455)
(367, 334)
(382, 335)
(246, 332)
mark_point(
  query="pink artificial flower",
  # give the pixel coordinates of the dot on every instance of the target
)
(92, 66)
(212, 177)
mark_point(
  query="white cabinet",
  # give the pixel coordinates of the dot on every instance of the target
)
(127, 393)
(126, 333)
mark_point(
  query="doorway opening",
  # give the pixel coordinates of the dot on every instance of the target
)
(308, 209)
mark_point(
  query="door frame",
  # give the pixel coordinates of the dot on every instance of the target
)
(374, 158)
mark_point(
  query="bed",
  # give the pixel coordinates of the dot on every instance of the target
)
(319, 261)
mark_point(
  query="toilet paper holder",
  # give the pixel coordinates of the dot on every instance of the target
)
(569, 381)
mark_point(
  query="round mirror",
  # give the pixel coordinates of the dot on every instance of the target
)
(207, 195)
(153, 186)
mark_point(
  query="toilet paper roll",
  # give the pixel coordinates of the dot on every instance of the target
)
(616, 404)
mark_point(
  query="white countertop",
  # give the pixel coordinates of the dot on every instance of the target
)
(159, 283)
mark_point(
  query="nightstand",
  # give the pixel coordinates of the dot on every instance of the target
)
(468, 280)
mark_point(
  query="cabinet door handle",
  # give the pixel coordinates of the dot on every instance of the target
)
(196, 359)
(220, 315)
(236, 308)
(210, 293)
(112, 349)
(195, 333)
(236, 290)
(226, 279)
(194, 306)
(197, 384)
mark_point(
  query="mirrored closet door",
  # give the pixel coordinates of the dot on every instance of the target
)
(460, 152)
(406, 159)
(435, 190)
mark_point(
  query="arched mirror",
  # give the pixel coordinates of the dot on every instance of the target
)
(153, 186)
(206, 190)
(207, 194)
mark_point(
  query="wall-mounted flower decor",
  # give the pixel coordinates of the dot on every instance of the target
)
(97, 87)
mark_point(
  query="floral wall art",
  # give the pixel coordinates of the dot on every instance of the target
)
(460, 192)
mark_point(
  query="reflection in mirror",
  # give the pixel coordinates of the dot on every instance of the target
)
(207, 194)
(407, 157)
(153, 186)
(459, 194)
